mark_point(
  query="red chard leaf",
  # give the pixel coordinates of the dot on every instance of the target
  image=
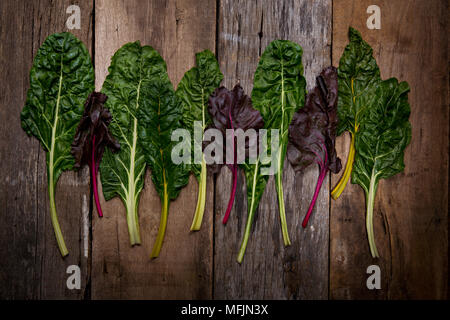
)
(233, 110)
(312, 132)
(92, 137)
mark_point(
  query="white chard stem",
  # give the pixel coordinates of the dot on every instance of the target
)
(369, 216)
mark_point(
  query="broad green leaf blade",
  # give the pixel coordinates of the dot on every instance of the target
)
(61, 79)
(132, 68)
(358, 77)
(193, 92)
(159, 115)
(381, 143)
(279, 90)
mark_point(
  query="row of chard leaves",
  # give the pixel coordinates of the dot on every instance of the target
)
(130, 123)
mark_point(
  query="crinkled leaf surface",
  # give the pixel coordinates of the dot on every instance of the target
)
(312, 133)
(279, 90)
(359, 76)
(159, 115)
(384, 136)
(234, 110)
(194, 90)
(380, 144)
(61, 79)
(91, 139)
(231, 110)
(93, 123)
(132, 68)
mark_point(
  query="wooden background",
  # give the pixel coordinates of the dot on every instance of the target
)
(326, 260)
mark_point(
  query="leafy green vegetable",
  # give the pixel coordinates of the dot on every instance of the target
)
(358, 77)
(279, 90)
(376, 114)
(92, 137)
(193, 91)
(133, 67)
(312, 133)
(380, 145)
(159, 115)
(61, 79)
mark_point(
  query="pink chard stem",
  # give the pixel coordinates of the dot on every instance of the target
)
(314, 199)
(234, 171)
(323, 172)
(233, 193)
(94, 180)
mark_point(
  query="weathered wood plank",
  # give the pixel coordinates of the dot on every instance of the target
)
(411, 209)
(31, 266)
(270, 271)
(177, 29)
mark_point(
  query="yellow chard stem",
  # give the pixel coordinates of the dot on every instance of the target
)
(162, 224)
(337, 191)
(200, 209)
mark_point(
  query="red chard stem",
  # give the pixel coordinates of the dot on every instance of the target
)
(323, 172)
(94, 180)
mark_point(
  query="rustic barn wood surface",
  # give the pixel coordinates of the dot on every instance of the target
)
(327, 260)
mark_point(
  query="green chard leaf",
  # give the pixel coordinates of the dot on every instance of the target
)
(380, 145)
(376, 114)
(159, 115)
(279, 90)
(133, 67)
(193, 92)
(61, 79)
(358, 77)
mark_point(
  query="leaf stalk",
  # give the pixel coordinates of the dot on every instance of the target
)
(162, 224)
(337, 191)
(133, 222)
(370, 199)
(94, 180)
(54, 217)
(251, 214)
(279, 186)
(201, 201)
(323, 173)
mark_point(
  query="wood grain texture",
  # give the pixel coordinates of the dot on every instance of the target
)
(177, 29)
(270, 271)
(411, 208)
(31, 266)
(328, 259)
